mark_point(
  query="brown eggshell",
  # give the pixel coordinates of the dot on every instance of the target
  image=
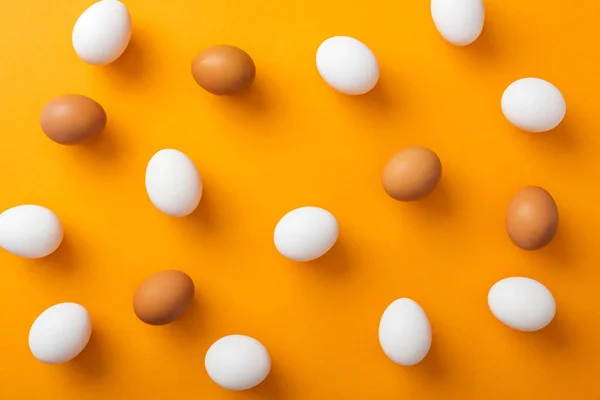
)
(532, 218)
(223, 70)
(72, 119)
(163, 297)
(412, 174)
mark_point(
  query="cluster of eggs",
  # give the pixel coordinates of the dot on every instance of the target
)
(174, 186)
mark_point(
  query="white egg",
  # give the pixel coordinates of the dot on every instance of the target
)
(237, 362)
(522, 303)
(460, 22)
(405, 332)
(533, 105)
(60, 333)
(102, 33)
(306, 233)
(30, 231)
(347, 65)
(173, 183)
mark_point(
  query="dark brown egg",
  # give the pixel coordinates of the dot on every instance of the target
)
(72, 119)
(163, 297)
(532, 218)
(223, 70)
(411, 174)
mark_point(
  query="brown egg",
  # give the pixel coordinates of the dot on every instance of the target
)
(72, 119)
(223, 70)
(532, 218)
(412, 173)
(163, 297)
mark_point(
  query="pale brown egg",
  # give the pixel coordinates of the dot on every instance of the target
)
(223, 70)
(532, 218)
(163, 297)
(72, 119)
(412, 173)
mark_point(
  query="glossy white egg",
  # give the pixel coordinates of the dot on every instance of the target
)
(60, 333)
(533, 105)
(237, 362)
(460, 22)
(405, 332)
(347, 65)
(173, 183)
(522, 303)
(30, 231)
(306, 233)
(102, 33)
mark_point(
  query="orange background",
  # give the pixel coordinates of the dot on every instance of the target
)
(293, 141)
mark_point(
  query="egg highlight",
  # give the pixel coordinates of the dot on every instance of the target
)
(237, 362)
(347, 65)
(173, 183)
(306, 233)
(405, 332)
(522, 303)
(533, 105)
(102, 33)
(30, 231)
(460, 22)
(60, 333)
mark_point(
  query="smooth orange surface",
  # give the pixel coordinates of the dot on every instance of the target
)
(293, 141)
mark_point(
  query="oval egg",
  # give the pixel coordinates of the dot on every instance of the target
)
(237, 362)
(347, 65)
(306, 233)
(533, 105)
(460, 22)
(411, 174)
(72, 119)
(30, 231)
(102, 32)
(223, 70)
(522, 303)
(173, 183)
(60, 333)
(163, 297)
(405, 332)
(532, 218)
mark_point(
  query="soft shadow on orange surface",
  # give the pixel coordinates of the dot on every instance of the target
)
(62, 262)
(190, 326)
(432, 368)
(561, 140)
(92, 362)
(271, 388)
(559, 253)
(556, 337)
(133, 66)
(106, 148)
(205, 216)
(439, 204)
(335, 264)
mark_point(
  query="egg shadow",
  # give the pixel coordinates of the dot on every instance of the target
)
(92, 362)
(438, 205)
(553, 338)
(104, 148)
(62, 262)
(335, 264)
(432, 369)
(133, 67)
(378, 102)
(271, 388)
(561, 140)
(189, 326)
(204, 217)
(486, 48)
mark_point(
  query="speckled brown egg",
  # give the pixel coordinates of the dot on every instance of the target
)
(532, 218)
(223, 70)
(72, 119)
(412, 173)
(163, 297)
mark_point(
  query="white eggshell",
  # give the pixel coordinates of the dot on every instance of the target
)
(102, 33)
(306, 233)
(347, 65)
(522, 303)
(237, 362)
(533, 105)
(460, 22)
(405, 332)
(30, 231)
(60, 333)
(173, 183)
